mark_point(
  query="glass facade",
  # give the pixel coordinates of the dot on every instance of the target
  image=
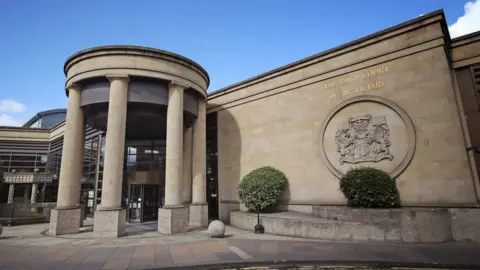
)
(53, 166)
(144, 179)
(144, 155)
(89, 177)
(49, 120)
(24, 162)
(143, 183)
(23, 166)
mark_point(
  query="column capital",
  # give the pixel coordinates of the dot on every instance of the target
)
(74, 87)
(120, 76)
(177, 84)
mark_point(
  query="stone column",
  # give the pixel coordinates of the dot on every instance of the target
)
(42, 193)
(110, 217)
(199, 207)
(33, 196)
(187, 166)
(173, 217)
(65, 218)
(11, 193)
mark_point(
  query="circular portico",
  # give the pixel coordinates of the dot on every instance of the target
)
(137, 93)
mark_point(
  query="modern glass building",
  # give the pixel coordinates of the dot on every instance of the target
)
(30, 164)
(31, 168)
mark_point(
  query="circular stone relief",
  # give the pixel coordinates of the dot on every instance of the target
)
(367, 131)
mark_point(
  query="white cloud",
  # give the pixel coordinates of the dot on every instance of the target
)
(7, 120)
(469, 22)
(11, 106)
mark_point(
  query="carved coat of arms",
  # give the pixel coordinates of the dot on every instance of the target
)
(364, 139)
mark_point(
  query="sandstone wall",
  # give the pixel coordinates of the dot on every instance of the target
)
(282, 119)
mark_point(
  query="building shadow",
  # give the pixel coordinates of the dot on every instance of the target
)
(229, 150)
(229, 144)
(282, 205)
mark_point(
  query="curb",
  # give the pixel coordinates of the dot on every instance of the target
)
(318, 264)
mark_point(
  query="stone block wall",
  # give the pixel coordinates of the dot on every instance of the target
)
(34, 210)
(419, 225)
(465, 224)
(432, 225)
(276, 119)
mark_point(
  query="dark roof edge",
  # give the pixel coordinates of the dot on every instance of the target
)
(25, 129)
(43, 113)
(137, 48)
(467, 36)
(348, 44)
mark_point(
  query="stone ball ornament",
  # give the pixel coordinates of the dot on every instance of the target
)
(216, 229)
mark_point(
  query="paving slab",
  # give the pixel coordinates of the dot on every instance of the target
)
(28, 247)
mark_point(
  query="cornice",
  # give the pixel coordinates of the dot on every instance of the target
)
(135, 50)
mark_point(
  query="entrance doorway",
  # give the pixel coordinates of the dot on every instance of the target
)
(144, 179)
(212, 166)
(142, 203)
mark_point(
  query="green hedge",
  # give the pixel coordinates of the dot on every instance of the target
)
(370, 188)
(261, 188)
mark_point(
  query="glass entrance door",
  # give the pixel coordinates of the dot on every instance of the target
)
(135, 203)
(150, 203)
(143, 203)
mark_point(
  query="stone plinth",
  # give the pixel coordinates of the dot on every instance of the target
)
(64, 221)
(109, 223)
(465, 224)
(198, 215)
(400, 225)
(173, 220)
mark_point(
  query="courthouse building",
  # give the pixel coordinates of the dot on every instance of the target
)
(143, 140)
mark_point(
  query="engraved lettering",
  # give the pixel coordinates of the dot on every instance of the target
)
(329, 85)
(361, 88)
(376, 71)
(345, 80)
(349, 79)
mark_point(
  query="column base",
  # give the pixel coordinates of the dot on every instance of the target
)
(64, 221)
(109, 223)
(198, 215)
(173, 219)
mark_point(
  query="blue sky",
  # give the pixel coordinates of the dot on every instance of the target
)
(232, 40)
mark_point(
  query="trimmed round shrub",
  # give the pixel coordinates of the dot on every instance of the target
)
(261, 188)
(370, 188)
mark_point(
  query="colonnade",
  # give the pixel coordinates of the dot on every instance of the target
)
(27, 193)
(185, 163)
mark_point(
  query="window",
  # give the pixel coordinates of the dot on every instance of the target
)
(37, 124)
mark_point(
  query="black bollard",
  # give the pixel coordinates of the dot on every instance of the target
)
(11, 222)
(259, 229)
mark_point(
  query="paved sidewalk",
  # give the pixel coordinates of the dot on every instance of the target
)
(24, 247)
